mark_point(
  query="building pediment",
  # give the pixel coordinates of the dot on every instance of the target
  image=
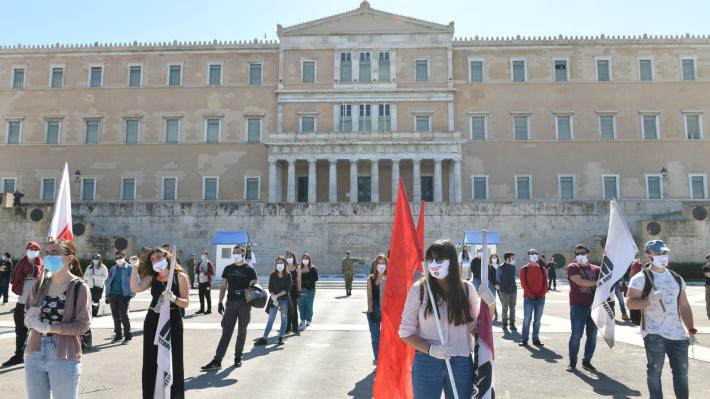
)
(365, 20)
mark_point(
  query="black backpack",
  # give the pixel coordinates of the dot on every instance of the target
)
(636, 315)
(86, 345)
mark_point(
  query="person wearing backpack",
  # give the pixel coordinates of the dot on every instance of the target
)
(118, 294)
(533, 279)
(660, 295)
(582, 277)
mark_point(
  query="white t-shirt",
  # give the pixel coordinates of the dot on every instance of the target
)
(666, 324)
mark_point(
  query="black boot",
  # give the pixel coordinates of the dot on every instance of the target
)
(238, 360)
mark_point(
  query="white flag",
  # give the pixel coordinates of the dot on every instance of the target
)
(619, 252)
(61, 226)
(485, 379)
(164, 375)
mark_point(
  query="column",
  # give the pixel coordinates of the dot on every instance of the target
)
(437, 181)
(451, 180)
(272, 181)
(395, 179)
(417, 180)
(291, 185)
(457, 180)
(375, 180)
(311, 180)
(353, 180)
(333, 181)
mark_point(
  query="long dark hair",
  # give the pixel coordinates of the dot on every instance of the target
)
(310, 261)
(146, 266)
(373, 267)
(458, 306)
(284, 272)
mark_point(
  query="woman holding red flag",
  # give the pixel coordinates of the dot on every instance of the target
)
(458, 305)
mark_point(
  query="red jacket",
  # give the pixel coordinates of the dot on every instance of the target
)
(533, 279)
(23, 270)
(210, 271)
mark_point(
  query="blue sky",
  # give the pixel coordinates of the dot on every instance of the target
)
(81, 21)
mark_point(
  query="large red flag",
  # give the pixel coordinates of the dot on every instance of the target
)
(61, 226)
(394, 365)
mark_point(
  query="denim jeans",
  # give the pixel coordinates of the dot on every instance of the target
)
(373, 320)
(305, 305)
(283, 305)
(620, 297)
(657, 347)
(430, 377)
(581, 318)
(44, 373)
(530, 306)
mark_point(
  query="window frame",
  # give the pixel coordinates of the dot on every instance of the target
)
(567, 69)
(528, 118)
(41, 188)
(420, 115)
(613, 125)
(574, 186)
(101, 81)
(170, 65)
(705, 185)
(362, 108)
(52, 67)
(389, 57)
(221, 73)
(473, 188)
(261, 72)
(608, 59)
(205, 127)
(125, 130)
(695, 67)
(13, 68)
(86, 130)
(162, 187)
(81, 188)
(246, 128)
(204, 188)
(483, 68)
(123, 187)
(5, 179)
(339, 78)
(341, 124)
(530, 188)
(653, 67)
(8, 121)
(359, 65)
(660, 185)
(128, 75)
(308, 115)
(165, 129)
(657, 116)
(483, 115)
(571, 126)
(699, 114)
(512, 69)
(315, 70)
(258, 188)
(428, 69)
(47, 121)
(618, 187)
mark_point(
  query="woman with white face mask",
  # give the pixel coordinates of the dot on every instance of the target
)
(375, 294)
(58, 315)
(95, 276)
(458, 305)
(294, 293)
(309, 276)
(279, 287)
(493, 264)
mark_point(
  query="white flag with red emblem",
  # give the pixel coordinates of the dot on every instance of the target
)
(61, 226)
(485, 378)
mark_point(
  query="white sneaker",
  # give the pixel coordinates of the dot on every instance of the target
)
(308, 323)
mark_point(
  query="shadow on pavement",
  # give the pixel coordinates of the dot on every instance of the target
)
(258, 351)
(210, 380)
(341, 297)
(543, 353)
(511, 335)
(605, 386)
(363, 388)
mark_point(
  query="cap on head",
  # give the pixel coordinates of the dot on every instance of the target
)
(656, 246)
(33, 244)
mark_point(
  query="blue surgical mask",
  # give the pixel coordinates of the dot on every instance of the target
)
(53, 263)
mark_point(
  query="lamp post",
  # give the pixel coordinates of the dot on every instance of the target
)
(77, 180)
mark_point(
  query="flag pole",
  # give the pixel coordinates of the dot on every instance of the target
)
(439, 329)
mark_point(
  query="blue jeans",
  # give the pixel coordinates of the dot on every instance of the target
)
(657, 347)
(620, 297)
(283, 305)
(305, 305)
(429, 377)
(581, 318)
(373, 320)
(530, 306)
(44, 373)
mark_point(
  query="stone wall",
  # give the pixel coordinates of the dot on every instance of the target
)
(327, 230)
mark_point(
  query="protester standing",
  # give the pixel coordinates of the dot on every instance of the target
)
(205, 272)
(476, 269)
(279, 288)
(58, 316)
(294, 293)
(375, 295)
(661, 296)
(458, 305)
(119, 293)
(582, 277)
(95, 277)
(347, 266)
(507, 290)
(309, 277)
(5, 276)
(533, 279)
(706, 274)
(250, 257)
(493, 264)
(465, 262)
(191, 266)
(552, 274)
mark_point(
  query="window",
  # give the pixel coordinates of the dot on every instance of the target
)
(88, 189)
(563, 125)
(523, 187)
(346, 67)
(172, 131)
(645, 69)
(365, 121)
(603, 69)
(308, 71)
(698, 186)
(254, 73)
(9, 185)
(132, 130)
(688, 68)
(478, 127)
(128, 189)
(210, 188)
(14, 132)
(52, 128)
(18, 78)
(168, 188)
(253, 130)
(96, 76)
(251, 188)
(521, 129)
(422, 70)
(135, 75)
(365, 68)
(174, 75)
(479, 186)
(561, 71)
(384, 119)
(383, 73)
(520, 73)
(92, 127)
(422, 123)
(346, 121)
(56, 79)
(475, 71)
(308, 124)
(215, 74)
(654, 187)
(212, 130)
(649, 125)
(47, 189)
(427, 184)
(607, 127)
(567, 187)
(693, 126)
(610, 186)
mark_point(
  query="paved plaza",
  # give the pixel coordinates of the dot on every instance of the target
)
(333, 359)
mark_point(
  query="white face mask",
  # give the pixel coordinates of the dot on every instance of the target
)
(533, 258)
(280, 267)
(96, 262)
(289, 260)
(381, 267)
(439, 270)
(160, 265)
(494, 261)
(120, 262)
(660, 261)
(32, 254)
(306, 261)
(582, 259)
(237, 257)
